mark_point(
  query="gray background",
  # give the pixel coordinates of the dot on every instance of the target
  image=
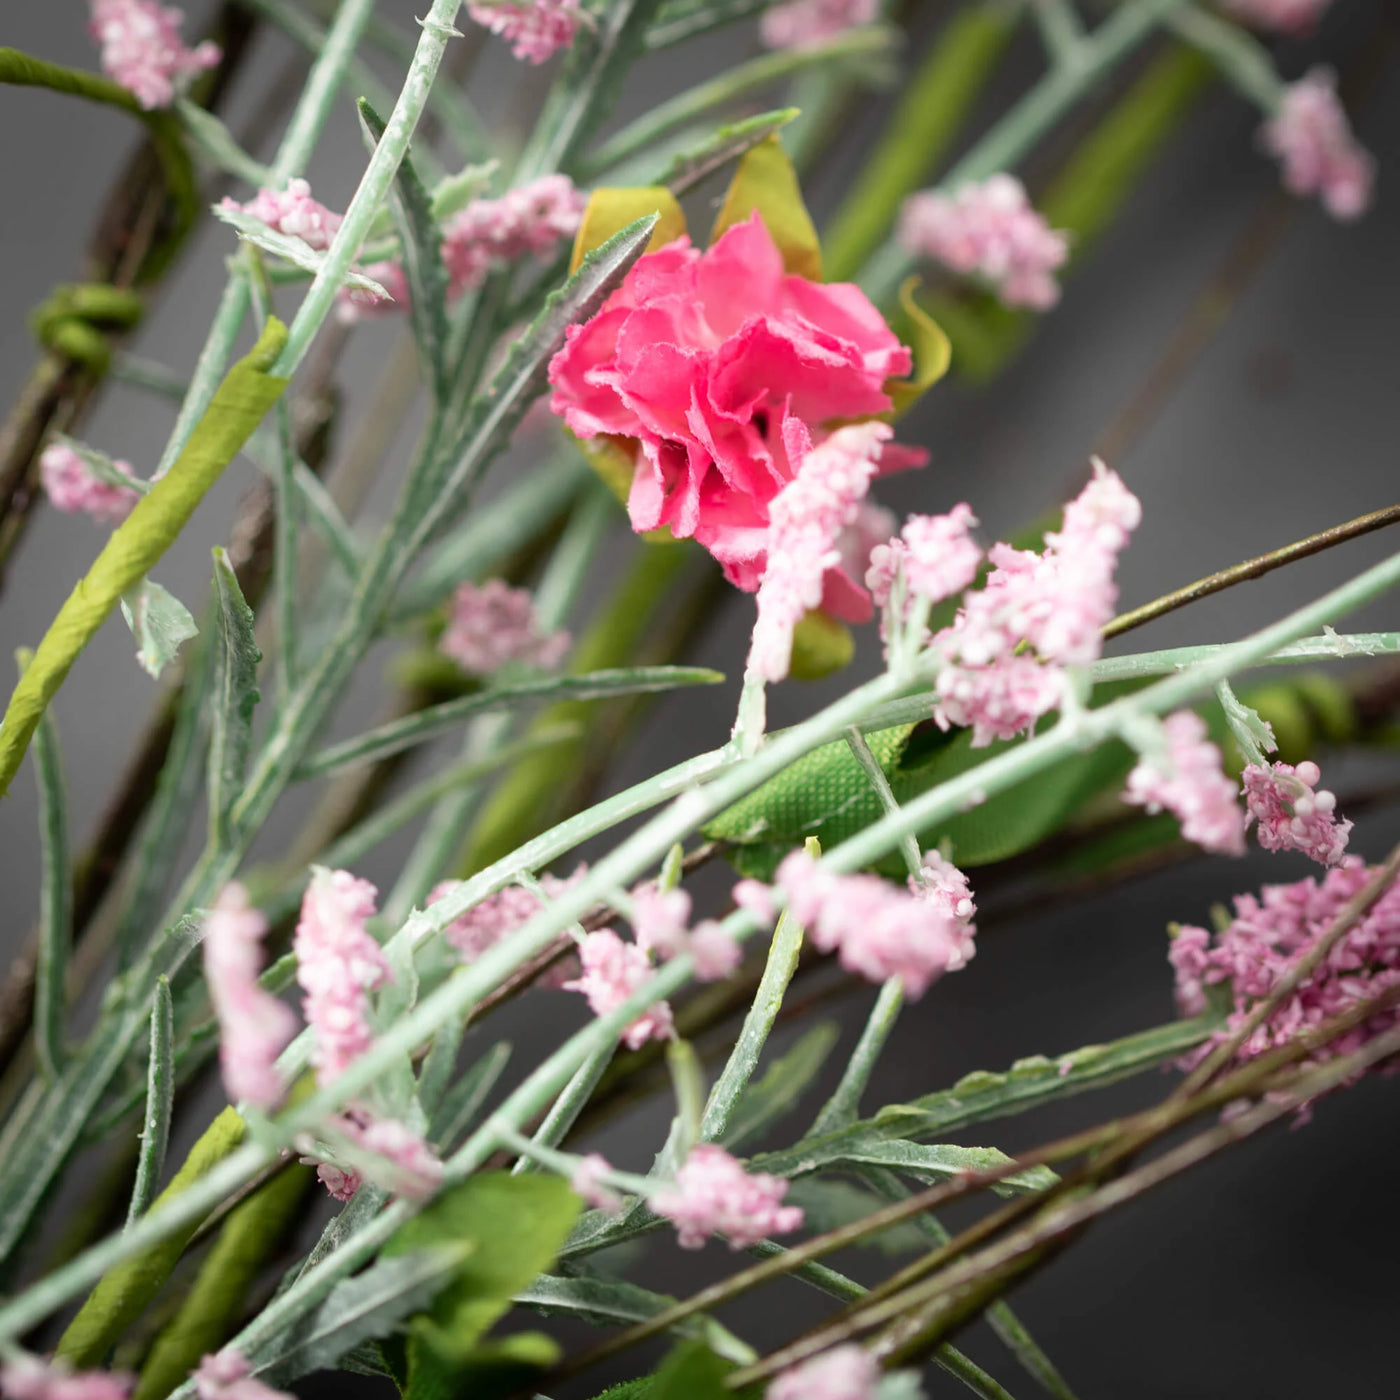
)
(1266, 1274)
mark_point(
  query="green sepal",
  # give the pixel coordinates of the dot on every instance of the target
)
(766, 182)
(931, 349)
(611, 209)
(821, 646)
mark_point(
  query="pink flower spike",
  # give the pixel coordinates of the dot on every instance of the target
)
(254, 1026)
(659, 920)
(805, 520)
(228, 1375)
(715, 951)
(998, 701)
(532, 219)
(491, 624)
(28, 1378)
(404, 1164)
(755, 898)
(534, 29)
(613, 971)
(805, 24)
(1312, 138)
(1189, 783)
(1292, 815)
(71, 486)
(293, 211)
(1282, 16)
(142, 49)
(587, 1182)
(338, 965)
(992, 230)
(846, 1372)
(713, 1195)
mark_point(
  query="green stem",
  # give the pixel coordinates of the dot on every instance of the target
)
(1235, 52)
(843, 1107)
(1176, 659)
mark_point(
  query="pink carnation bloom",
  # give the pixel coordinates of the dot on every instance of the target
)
(804, 24)
(845, 1373)
(713, 1195)
(990, 229)
(704, 358)
(254, 1026)
(338, 965)
(1188, 782)
(1312, 138)
(534, 29)
(492, 623)
(142, 49)
(228, 1375)
(1272, 931)
(1285, 16)
(490, 233)
(293, 211)
(28, 1378)
(806, 519)
(71, 486)
(587, 1182)
(879, 930)
(1292, 816)
(613, 971)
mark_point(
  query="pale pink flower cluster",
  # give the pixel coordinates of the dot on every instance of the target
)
(71, 486)
(340, 1183)
(879, 930)
(713, 1195)
(338, 965)
(937, 553)
(254, 1026)
(406, 1164)
(294, 212)
(1312, 138)
(1187, 781)
(28, 1378)
(844, 1373)
(1058, 602)
(535, 29)
(142, 49)
(1285, 16)
(532, 219)
(490, 624)
(1292, 814)
(228, 1375)
(803, 24)
(1272, 931)
(587, 1182)
(661, 922)
(805, 522)
(613, 971)
(991, 229)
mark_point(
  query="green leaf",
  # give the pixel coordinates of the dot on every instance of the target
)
(235, 694)
(828, 1203)
(942, 1162)
(160, 622)
(766, 183)
(420, 239)
(135, 546)
(160, 1102)
(730, 142)
(457, 191)
(693, 1372)
(931, 349)
(685, 19)
(769, 1099)
(462, 1102)
(496, 1370)
(289, 248)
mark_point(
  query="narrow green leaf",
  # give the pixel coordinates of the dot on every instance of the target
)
(216, 144)
(462, 1102)
(235, 694)
(160, 1101)
(414, 729)
(690, 167)
(420, 240)
(457, 191)
(829, 1202)
(289, 248)
(941, 1162)
(160, 622)
(55, 901)
(679, 20)
(769, 1099)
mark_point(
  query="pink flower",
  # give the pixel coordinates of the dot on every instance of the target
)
(254, 1026)
(228, 1375)
(1274, 930)
(715, 952)
(1285, 16)
(71, 486)
(28, 1378)
(704, 358)
(142, 50)
(806, 519)
(804, 24)
(1291, 815)
(293, 211)
(338, 965)
(533, 28)
(937, 552)
(1311, 136)
(845, 1373)
(990, 229)
(404, 1164)
(340, 1184)
(1188, 782)
(756, 898)
(492, 623)
(490, 233)
(713, 1195)
(613, 971)
(587, 1181)
(999, 700)
(879, 930)
(660, 922)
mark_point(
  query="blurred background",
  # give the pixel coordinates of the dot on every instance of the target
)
(1230, 351)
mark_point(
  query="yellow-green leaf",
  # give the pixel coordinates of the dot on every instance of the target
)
(930, 347)
(766, 181)
(610, 210)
